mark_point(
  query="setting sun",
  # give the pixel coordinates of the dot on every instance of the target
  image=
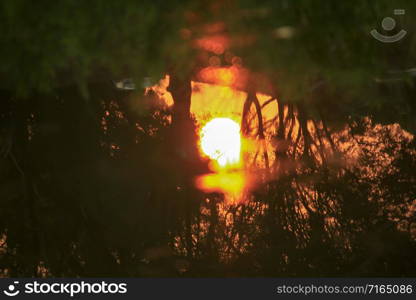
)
(220, 140)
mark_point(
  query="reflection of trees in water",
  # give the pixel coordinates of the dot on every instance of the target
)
(94, 188)
(337, 202)
(105, 187)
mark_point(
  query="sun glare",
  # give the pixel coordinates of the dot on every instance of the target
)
(221, 141)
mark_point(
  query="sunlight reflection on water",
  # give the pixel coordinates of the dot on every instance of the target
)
(231, 184)
(220, 140)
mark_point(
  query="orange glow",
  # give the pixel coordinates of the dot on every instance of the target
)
(231, 184)
(221, 141)
(215, 43)
(218, 97)
(233, 76)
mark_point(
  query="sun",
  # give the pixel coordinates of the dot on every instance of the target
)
(221, 141)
